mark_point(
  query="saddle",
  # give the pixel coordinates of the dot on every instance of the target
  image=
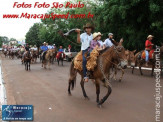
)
(91, 61)
(59, 54)
(151, 54)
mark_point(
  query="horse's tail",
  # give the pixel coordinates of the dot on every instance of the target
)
(73, 74)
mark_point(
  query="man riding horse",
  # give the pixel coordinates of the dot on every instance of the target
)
(148, 48)
(85, 39)
(44, 48)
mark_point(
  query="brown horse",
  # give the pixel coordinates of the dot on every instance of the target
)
(47, 59)
(34, 56)
(131, 62)
(140, 62)
(53, 56)
(27, 60)
(104, 63)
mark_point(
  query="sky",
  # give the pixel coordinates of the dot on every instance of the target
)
(17, 28)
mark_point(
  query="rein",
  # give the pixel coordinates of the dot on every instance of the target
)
(101, 66)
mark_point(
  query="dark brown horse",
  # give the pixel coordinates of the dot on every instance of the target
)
(27, 60)
(104, 63)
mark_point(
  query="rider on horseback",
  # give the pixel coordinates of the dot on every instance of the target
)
(85, 39)
(44, 48)
(148, 47)
(109, 41)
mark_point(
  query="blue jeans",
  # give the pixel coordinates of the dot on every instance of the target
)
(84, 62)
(146, 55)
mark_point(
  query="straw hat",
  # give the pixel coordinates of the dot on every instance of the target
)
(95, 35)
(150, 36)
(99, 34)
(88, 25)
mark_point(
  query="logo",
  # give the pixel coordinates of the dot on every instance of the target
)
(17, 112)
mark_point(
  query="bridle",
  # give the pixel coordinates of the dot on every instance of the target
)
(101, 65)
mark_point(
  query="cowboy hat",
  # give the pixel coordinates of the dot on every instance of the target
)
(88, 25)
(95, 35)
(99, 34)
(44, 43)
(110, 34)
(150, 36)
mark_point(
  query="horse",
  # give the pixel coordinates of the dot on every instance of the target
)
(5, 53)
(54, 55)
(131, 62)
(47, 58)
(11, 54)
(140, 62)
(60, 57)
(100, 73)
(34, 56)
(27, 60)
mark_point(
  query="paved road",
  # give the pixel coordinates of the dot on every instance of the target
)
(132, 100)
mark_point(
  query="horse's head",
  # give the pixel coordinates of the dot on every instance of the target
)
(119, 55)
(50, 53)
(130, 57)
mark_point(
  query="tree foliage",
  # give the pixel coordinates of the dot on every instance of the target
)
(133, 20)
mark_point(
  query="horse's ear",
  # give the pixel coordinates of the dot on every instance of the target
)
(121, 41)
(134, 51)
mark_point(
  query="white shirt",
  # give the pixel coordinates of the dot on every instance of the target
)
(101, 43)
(85, 40)
(108, 43)
(49, 47)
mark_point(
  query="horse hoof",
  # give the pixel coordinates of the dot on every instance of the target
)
(120, 80)
(99, 105)
(69, 94)
(86, 98)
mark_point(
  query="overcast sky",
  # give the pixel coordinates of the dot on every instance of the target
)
(17, 28)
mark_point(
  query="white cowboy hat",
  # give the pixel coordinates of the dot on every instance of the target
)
(53, 44)
(44, 43)
(150, 36)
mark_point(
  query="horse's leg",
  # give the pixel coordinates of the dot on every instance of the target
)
(58, 61)
(82, 86)
(25, 65)
(153, 66)
(97, 90)
(29, 65)
(72, 79)
(115, 73)
(133, 70)
(105, 97)
(62, 62)
(49, 64)
(140, 70)
(45, 64)
(120, 79)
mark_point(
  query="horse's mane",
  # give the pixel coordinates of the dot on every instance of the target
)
(106, 51)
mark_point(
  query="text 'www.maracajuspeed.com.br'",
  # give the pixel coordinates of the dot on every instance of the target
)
(44, 16)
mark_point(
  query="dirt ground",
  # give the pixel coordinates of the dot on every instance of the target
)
(132, 100)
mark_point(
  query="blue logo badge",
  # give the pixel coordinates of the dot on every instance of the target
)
(17, 112)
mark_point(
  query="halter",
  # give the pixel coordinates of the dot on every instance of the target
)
(101, 65)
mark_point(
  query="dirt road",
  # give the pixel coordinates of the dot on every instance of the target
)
(132, 100)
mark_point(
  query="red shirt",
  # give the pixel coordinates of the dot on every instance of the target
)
(147, 43)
